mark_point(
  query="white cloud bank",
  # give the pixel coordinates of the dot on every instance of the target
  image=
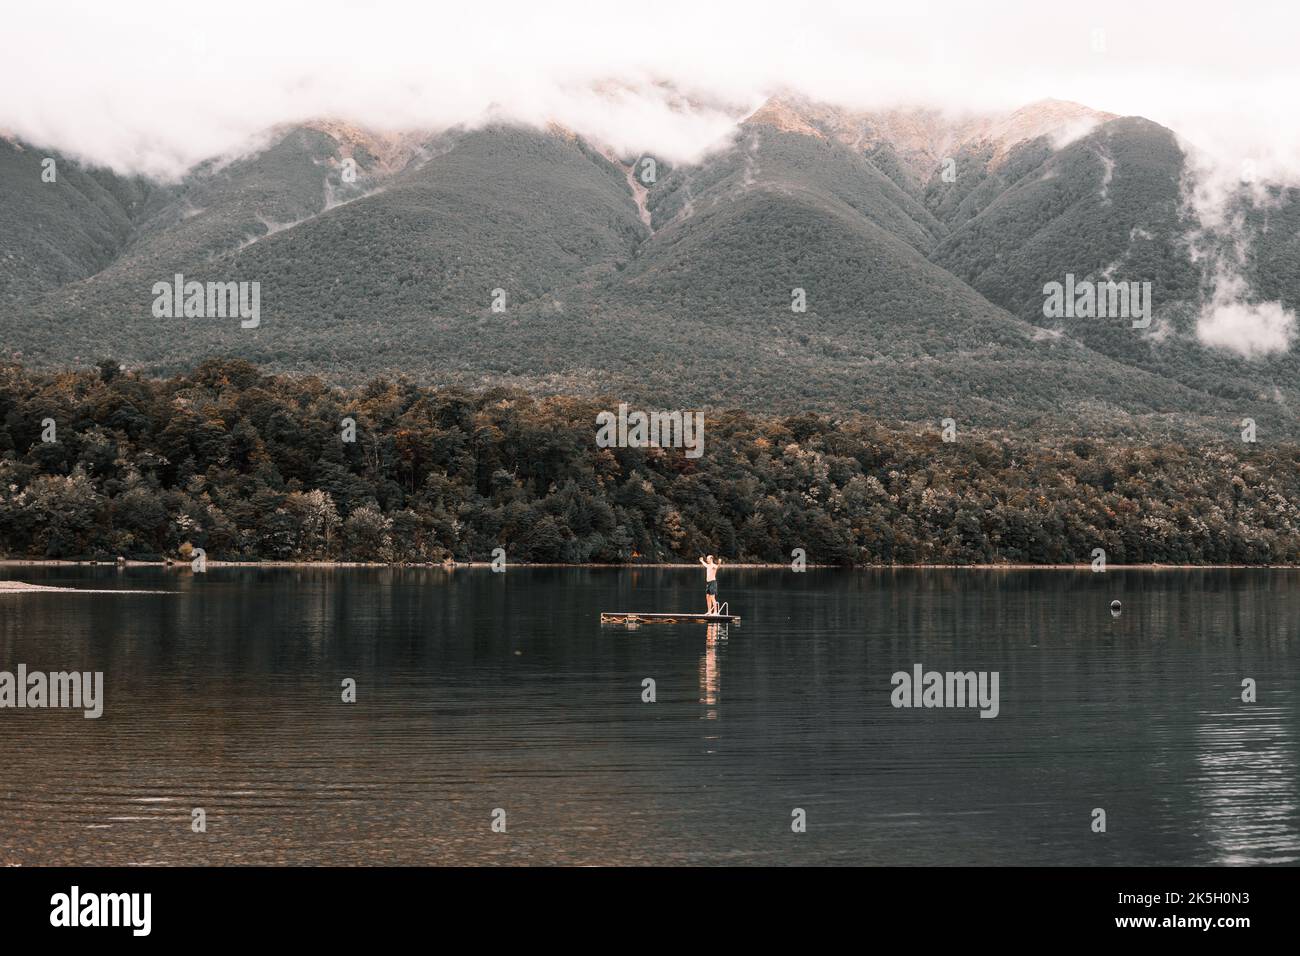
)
(1251, 329)
(157, 85)
(1232, 318)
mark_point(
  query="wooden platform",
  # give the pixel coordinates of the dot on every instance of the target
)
(681, 617)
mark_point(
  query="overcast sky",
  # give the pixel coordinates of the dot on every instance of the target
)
(156, 86)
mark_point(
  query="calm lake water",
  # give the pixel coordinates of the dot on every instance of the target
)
(478, 691)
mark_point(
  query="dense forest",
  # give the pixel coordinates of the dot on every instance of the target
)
(104, 463)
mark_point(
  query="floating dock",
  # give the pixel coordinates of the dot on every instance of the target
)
(682, 617)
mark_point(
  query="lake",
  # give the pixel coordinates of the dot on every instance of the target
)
(478, 692)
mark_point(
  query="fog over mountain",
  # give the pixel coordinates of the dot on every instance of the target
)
(168, 86)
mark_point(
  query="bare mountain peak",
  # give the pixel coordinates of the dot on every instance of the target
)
(390, 150)
(786, 114)
(924, 136)
(1061, 120)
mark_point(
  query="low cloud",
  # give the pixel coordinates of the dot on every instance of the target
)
(1251, 329)
(1072, 132)
(156, 87)
(1216, 193)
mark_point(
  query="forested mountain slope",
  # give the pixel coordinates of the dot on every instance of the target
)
(515, 256)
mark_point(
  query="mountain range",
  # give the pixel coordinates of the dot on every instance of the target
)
(919, 244)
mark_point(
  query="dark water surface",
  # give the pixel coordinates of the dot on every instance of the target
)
(479, 691)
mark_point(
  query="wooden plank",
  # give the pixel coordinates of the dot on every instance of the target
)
(682, 617)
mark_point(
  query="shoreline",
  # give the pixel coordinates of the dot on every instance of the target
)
(1082, 566)
(23, 587)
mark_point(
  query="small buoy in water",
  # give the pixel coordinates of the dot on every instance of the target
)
(1115, 608)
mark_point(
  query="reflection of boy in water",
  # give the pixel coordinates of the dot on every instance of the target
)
(711, 582)
(709, 666)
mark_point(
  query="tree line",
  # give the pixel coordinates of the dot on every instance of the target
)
(103, 463)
